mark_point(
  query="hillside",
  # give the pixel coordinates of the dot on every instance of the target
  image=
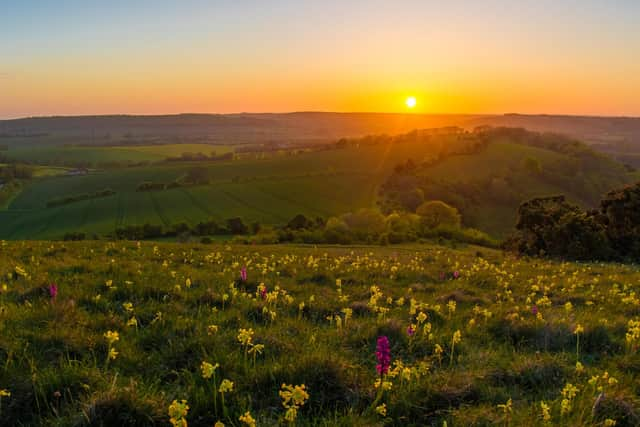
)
(609, 132)
(129, 328)
(483, 174)
(488, 185)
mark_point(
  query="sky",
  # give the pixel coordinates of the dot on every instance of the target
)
(69, 57)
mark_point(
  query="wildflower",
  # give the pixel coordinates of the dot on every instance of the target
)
(208, 369)
(421, 317)
(293, 397)
(218, 424)
(243, 274)
(457, 337)
(383, 354)
(245, 336)
(113, 353)
(579, 329)
(226, 386)
(456, 274)
(111, 336)
(411, 330)
(546, 411)
(127, 306)
(53, 291)
(178, 412)
(385, 385)
(506, 407)
(579, 368)
(382, 409)
(5, 393)
(247, 419)
(212, 329)
(451, 305)
(534, 310)
(609, 422)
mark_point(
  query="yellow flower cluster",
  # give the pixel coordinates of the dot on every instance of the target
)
(293, 397)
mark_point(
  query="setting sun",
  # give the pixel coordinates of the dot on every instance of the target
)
(410, 102)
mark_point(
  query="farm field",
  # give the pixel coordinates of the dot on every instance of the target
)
(273, 189)
(59, 154)
(270, 191)
(474, 337)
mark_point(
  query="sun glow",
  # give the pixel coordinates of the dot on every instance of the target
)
(410, 102)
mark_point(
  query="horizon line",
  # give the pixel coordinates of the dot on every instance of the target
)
(247, 113)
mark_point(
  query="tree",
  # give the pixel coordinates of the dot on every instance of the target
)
(300, 222)
(436, 213)
(237, 226)
(620, 211)
(197, 175)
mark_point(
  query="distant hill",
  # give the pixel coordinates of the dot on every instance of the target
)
(499, 168)
(297, 127)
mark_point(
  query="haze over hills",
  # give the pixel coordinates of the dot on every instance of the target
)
(300, 126)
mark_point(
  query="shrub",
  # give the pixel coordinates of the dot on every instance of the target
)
(435, 213)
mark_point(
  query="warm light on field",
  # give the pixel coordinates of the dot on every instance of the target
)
(410, 102)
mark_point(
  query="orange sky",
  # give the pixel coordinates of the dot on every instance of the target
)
(200, 56)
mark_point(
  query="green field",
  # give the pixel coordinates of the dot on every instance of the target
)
(486, 186)
(270, 191)
(496, 340)
(60, 154)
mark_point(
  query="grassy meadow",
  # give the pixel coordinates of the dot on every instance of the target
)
(475, 337)
(67, 154)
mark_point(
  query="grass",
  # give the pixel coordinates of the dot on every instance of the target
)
(274, 189)
(270, 191)
(44, 154)
(54, 355)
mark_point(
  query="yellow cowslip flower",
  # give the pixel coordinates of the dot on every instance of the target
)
(127, 306)
(113, 353)
(451, 305)
(609, 422)
(386, 385)
(568, 307)
(293, 395)
(579, 329)
(438, 350)
(218, 424)
(579, 368)
(5, 393)
(132, 322)
(421, 317)
(565, 406)
(247, 419)
(112, 336)
(546, 412)
(291, 414)
(245, 336)
(382, 409)
(457, 337)
(226, 386)
(208, 369)
(569, 391)
(178, 412)
(212, 329)
(187, 283)
(507, 408)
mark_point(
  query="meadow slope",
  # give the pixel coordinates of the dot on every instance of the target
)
(475, 337)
